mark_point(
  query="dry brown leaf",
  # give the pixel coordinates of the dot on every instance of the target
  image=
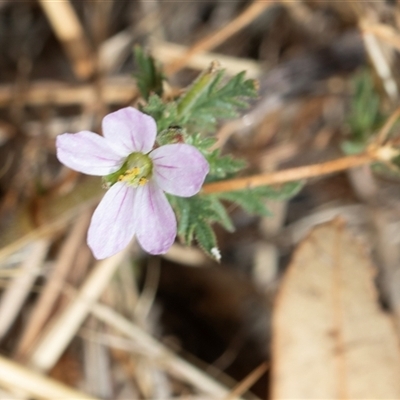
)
(331, 339)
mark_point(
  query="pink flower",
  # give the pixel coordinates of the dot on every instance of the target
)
(135, 204)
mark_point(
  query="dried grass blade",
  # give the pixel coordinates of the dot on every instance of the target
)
(16, 294)
(65, 326)
(172, 363)
(54, 285)
(16, 377)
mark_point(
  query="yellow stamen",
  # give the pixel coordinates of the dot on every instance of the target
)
(130, 174)
(142, 181)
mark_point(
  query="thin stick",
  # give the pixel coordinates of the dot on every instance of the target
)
(383, 133)
(248, 381)
(216, 38)
(288, 175)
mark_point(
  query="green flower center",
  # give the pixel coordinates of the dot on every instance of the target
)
(136, 171)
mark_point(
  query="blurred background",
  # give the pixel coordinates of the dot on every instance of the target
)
(182, 326)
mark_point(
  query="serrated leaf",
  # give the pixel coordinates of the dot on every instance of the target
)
(222, 166)
(281, 192)
(253, 200)
(209, 100)
(182, 210)
(223, 217)
(165, 114)
(250, 200)
(206, 239)
(203, 144)
(200, 211)
(149, 77)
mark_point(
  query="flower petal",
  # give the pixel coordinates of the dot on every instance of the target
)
(87, 152)
(155, 222)
(179, 169)
(128, 130)
(112, 225)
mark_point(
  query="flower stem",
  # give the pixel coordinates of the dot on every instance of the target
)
(200, 85)
(288, 175)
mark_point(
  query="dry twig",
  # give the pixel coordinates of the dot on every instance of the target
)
(248, 381)
(288, 175)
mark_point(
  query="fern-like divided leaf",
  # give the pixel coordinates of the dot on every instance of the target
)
(197, 214)
(210, 99)
(365, 116)
(165, 114)
(195, 218)
(149, 77)
(220, 166)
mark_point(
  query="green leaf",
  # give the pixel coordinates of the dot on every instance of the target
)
(165, 114)
(281, 192)
(365, 116)
(210, 99)
(353, 147)
(195, 217)
(222, 166)
(149, 77)
(253, 200)
(203, 144)
(206, 239)
(221, 215)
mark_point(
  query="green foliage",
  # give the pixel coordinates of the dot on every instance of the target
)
(210, 99)
(365, 117)
(190, 118)
(165, 114)
(253, 200)
(220, 166)
(149, 76)
(197, 214)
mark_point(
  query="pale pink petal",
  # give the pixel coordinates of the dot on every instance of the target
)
(179, 169)
(155, 222)
(87, 152)
(112, 225)
(128, 130)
